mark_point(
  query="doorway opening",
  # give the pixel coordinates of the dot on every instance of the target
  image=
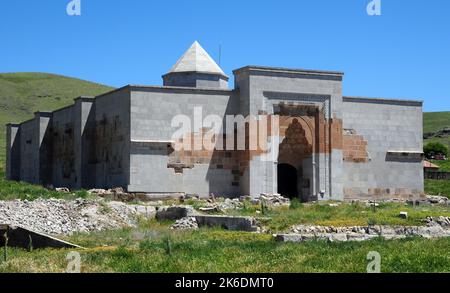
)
(287, 181)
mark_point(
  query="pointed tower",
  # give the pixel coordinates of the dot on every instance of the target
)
(196, 69)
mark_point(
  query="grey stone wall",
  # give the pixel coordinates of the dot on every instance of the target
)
(124, 139)
(152, 111)
(35, 149)
(29, 152)
(112, 139)
(387, 125)
(64, 171)
(195, 79)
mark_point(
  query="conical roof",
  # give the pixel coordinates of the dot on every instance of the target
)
(196, 59)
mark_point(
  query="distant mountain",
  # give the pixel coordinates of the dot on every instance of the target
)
(22, 94)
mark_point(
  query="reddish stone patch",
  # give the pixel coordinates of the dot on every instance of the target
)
(355, 148)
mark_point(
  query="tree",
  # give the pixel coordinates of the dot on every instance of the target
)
(435, 148)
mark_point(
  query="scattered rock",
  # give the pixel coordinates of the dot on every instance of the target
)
(187, 223)
(439, 221)
(274, 200)
(430, 200)
(62, 189)
(65, 217)
(213, 209)
(440, 200)
(435, 228)
(98, 192)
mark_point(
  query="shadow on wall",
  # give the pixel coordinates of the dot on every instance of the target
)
(404, 157)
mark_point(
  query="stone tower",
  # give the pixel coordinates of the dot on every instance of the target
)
(196, 69)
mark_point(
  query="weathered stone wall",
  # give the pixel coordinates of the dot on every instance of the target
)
(393, 132)
(356, 148)
(29, 152)
(35, 149)
(64, 161)
(112, 140)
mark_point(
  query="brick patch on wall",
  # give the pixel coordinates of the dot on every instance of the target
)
(354, 147)
(303, 130)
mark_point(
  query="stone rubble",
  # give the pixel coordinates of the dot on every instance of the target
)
(435, 228)
(65, 217)
(187, 223)
(274, 200)
(439, 200)
(214, 205)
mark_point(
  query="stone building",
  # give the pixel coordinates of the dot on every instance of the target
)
(330, 146)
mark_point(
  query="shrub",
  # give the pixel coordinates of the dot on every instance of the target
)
(295, 204)
(435, 148)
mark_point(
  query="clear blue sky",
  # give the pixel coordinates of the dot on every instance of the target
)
(405, 53)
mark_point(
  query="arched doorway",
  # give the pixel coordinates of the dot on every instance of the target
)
(295, 160)
(287, 181)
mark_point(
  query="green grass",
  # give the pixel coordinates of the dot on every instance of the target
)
(437, 187)
(10, 190)
(346, 214)
(435, 121)
(215, 251)
(22, 94)
(443, 165)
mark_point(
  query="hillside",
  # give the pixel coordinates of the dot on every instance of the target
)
(435, 121)
(22, 94)
(433, 125)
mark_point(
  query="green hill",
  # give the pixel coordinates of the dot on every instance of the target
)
(22, 94)
(433, 122)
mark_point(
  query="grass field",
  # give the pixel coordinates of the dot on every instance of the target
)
(153, 249)
(437, 187)
(346, 214)
(435, 121)
(443, 165)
